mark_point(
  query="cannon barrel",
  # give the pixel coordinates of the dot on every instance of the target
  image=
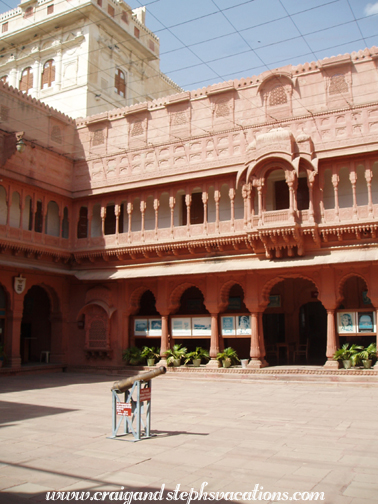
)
(127, 383)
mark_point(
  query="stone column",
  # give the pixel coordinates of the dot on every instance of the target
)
(156, 209)
(129, 213)
(214, 342)
(12, 343)
(368, 178)
(255, 352)
(58, 69)
(164, 340)
(310, 183)
(231, 194)
(143, 206)
(331, 341)
(335, 183)
(117, 211)
(217, 196)
(188, 202)
(103, 215)
(353, 181)
(172, 203)
(205, 199)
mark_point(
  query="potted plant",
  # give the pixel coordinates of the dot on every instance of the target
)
(348, 355)
(175, 354)
(196, 356)
(132, 356)
(151, 354)
(2, 355)
(228, 357)
(367, 355)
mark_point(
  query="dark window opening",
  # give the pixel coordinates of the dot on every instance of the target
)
(196, 210)
(82, 225)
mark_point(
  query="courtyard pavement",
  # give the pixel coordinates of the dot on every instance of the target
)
(231, 434)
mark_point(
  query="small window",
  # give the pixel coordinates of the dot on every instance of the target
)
(151, 46)
(4, 27)
(277, 96)
(338, 84)
(4, 79)
(50, 9)
(111, 11)
(120, 83)
(99, 3)
(125, 17)
(136, 32)
(28, 12)
(26, 81)
(48, 74)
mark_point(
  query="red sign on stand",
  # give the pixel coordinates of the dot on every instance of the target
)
(145, 394)
(123, 409)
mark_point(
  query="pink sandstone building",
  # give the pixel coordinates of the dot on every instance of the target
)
(243, 214)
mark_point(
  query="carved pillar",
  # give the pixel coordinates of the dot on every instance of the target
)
(217, 196)
(12, 343)
(260, 185)
(368, 178)
(89, 223)
(117, 211)
(129, 213)
(231, 194)
(310, 183)
(143, 206)
(214, 342)
(103, 215)
(291, 180)
(255, 352)
(353, 181)
(335, 183)
(321, 200)
(188, 202)
(245, 189)
(164, 340)
(172, 203)
(262, 341)
(332, 342)
(205, 199)
(156, 209)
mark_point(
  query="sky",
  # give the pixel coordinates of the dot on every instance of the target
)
(203, 42)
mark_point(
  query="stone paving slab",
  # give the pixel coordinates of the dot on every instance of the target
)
(231, 434)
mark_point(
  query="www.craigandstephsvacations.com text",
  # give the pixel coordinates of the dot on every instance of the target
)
(128, 497)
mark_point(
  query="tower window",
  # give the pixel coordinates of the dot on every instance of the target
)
(120, 83)
(26, 81)
(48, 74)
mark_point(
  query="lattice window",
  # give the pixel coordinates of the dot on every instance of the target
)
(26, 81)
(56, 135)
(48, 74)
(50, 9)
(179, 118)
(98, 137)
(99, 3)
(136, 32)
(338, 84)
(111, 10)
(125, 17)
(97, 334)
(223, 108)
(137, 128)
(120, 83)
(151, 46)
(4, 27)
(277, 96)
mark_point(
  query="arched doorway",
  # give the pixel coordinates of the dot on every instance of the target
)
(295, 324)
(236, 309)
(146, 319)
(191, 311)
(35, 326)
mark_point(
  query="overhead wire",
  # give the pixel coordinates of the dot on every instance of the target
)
(227, 56)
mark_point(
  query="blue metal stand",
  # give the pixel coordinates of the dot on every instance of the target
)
(133, 413)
